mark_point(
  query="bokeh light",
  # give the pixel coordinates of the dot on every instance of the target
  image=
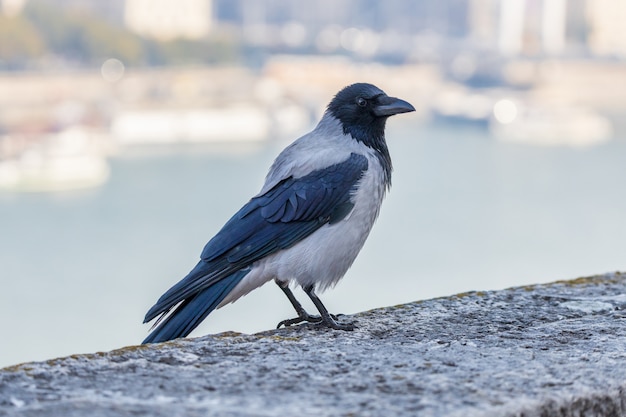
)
(112, 70)
(505, 111)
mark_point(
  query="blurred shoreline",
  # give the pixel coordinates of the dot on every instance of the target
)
(35, 103)
(547, 102)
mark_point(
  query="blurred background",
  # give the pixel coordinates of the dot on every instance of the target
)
(131, 130)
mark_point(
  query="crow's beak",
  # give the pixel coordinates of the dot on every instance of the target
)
(388, 106)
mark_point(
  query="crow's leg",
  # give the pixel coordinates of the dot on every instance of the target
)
(328, 319)
(302, 314)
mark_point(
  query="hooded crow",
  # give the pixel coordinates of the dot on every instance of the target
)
(306, 226)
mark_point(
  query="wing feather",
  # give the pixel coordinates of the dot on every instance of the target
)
(284, 215)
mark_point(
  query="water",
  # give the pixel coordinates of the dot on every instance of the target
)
(80, 269)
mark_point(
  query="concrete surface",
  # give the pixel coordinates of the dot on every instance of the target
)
(545, 350)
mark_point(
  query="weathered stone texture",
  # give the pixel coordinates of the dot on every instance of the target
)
(545, 350)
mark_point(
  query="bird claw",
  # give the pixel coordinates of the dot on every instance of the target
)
(338, 326)
(306, 317)
(332, 323)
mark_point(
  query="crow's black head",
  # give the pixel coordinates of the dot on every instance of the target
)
(363, 110)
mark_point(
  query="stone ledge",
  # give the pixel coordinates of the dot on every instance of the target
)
(555, 349)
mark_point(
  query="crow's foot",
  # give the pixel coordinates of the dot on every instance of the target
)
(306, 317)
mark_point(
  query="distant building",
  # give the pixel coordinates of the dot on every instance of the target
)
(511, 26)
(481, 20)
(521, 27)
(11, 7)
(166, 19)
(553, 25)
(607, 31)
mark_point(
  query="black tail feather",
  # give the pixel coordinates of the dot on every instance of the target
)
(188, 315)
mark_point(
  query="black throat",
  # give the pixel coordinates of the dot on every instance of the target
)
(371, 134)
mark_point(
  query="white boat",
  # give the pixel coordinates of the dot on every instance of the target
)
(239, 123)
(57, 162)
(549, 125)
(242, 123)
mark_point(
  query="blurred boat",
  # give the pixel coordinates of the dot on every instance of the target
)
(62, 161)
(241, 123)
(460, 107)
(236, 123)
(521, 119)
(548, 125)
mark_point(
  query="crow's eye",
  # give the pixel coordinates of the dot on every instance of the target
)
(361, 102)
